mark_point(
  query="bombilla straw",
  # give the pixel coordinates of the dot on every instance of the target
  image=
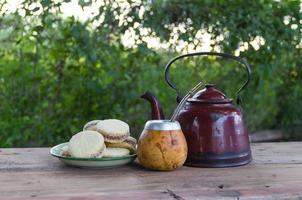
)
(184, 99)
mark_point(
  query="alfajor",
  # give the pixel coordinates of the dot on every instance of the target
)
(91, 126)
(116, 152)
(86, 144)
(113, 130)
(129, 143)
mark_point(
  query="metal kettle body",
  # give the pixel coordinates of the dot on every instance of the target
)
(216, 134)
(213, 126)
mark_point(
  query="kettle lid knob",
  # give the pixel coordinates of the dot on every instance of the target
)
(210, 94)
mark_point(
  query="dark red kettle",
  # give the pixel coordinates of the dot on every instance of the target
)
(214, 127)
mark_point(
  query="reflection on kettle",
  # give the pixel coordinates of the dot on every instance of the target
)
(213, 126)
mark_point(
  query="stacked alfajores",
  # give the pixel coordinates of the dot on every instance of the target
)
(102, 138)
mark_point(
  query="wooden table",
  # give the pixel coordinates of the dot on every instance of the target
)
(275, 173)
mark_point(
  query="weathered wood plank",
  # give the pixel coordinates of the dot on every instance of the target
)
(242, 181)
(266, 136)
(275, 173)
(39, 158)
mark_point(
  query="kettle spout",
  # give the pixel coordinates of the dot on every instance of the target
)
(156, 110)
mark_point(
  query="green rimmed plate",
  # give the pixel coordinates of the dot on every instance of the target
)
(104, 162)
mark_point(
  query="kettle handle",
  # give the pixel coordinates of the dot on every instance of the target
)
(238, 59)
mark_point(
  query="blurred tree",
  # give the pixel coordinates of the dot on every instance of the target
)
(57, 72)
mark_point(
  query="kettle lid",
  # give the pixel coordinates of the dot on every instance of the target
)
(210, 94)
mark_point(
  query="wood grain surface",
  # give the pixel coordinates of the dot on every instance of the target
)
(32, 173)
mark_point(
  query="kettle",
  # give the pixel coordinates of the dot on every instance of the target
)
(213, 126)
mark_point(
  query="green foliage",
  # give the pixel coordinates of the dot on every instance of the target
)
(56, 73)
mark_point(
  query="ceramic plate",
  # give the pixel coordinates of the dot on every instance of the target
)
(104, 162)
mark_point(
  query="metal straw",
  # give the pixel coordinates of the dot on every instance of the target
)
(184, 99)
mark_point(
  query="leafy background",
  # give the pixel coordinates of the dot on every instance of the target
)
(58, 72)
